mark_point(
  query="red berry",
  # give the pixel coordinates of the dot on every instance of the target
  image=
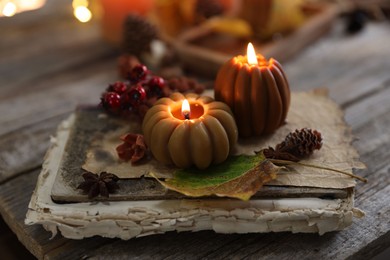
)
(126, 102)
(156, 82)
(117, 87)
(156, 86)
(138, 73)
(136, 95)
(111, 102)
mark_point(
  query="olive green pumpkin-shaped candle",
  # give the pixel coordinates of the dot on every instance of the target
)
(256, 90)
(190, 130)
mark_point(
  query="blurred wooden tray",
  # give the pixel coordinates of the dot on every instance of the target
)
(204, 51)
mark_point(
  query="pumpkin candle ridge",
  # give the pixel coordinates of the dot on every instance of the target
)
(256, 90)
(206, 136)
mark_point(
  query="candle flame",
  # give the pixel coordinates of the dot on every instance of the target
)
(185, 109)
(251, 55)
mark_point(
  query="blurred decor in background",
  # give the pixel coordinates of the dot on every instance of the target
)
(268, 17)
(202, 34)
(114, 13)
(11, 7)
(277, 28)
(170, 16)
(81, 10)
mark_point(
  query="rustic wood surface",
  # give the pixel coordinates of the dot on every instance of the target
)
(50, 63)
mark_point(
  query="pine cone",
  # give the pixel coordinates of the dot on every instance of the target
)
(296, 146)
(138, 33)
(208, 8)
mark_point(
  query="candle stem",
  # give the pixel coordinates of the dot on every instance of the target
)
(186, 115)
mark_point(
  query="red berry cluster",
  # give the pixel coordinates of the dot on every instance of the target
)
(133, 96)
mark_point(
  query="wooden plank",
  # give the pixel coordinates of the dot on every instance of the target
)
(24, 149)
(35, 44)
(373, 144)
(26, 77)
(14, 198)
(34, 47)
(349, 66)
(13, 209)
(369, 108)
(10, 247)
(25, 129)
(41, 69)
(73, 88)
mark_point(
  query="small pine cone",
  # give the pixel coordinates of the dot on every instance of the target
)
(138, 33)
(296, 146)
(301, 143)
(208, 8)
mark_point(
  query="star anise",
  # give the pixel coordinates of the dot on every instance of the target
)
(133, 148)
(296, 146)
(95, 185)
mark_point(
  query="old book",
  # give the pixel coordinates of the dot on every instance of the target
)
(299, 200)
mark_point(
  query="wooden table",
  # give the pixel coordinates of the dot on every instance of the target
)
(49, 63)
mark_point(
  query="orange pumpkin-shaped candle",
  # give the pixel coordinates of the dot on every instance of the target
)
(256, 90)
(190, 130)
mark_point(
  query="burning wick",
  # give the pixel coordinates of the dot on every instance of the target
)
(185, 109)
